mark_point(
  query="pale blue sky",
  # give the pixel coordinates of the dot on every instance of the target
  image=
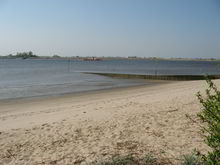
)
(160, 28)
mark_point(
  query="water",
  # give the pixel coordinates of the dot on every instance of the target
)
(37, 77)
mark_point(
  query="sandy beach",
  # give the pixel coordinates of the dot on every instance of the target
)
(82, 128)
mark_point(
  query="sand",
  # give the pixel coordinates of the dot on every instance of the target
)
(81, 128)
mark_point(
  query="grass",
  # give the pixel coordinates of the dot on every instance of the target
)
(149, 159)
(191, 159)
(133, 160)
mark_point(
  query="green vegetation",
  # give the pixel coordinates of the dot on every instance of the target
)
(132, 160)
(210, 115)
(23, 55)
(192, 159)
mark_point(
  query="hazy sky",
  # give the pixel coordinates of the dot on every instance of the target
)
(160, 28)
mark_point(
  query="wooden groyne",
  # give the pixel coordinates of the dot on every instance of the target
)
(158, 77)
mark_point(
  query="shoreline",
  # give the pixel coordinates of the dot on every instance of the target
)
(87, 127)
(92, 91)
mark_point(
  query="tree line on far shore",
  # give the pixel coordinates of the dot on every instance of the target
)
(23, 55)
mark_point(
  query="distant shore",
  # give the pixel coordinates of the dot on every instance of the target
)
(93, 126)
(107, 58)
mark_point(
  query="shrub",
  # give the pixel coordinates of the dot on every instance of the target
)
(132, 160)
(210, 115)
(192, 159)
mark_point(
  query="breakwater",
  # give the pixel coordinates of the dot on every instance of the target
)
(158, 77)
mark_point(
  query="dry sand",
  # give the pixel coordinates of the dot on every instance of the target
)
(81, 128)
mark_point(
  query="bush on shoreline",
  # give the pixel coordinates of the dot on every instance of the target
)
(210, 116)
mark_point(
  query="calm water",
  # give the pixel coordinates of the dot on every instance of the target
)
(25, 78)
